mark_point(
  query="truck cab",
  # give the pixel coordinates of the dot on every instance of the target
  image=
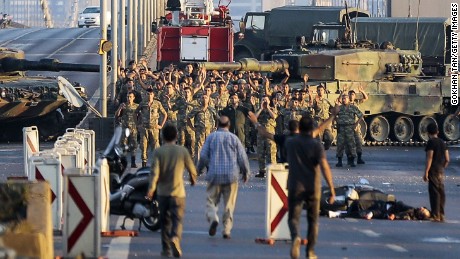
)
(263, 33)
(251, 37)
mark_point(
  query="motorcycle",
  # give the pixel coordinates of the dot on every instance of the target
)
(128, 190)
(5, 21)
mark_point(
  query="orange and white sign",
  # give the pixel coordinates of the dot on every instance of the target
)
(276, 215)
(82, 231)
(46, 166)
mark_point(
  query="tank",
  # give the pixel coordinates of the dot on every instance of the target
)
(35, 101)
(402, 102)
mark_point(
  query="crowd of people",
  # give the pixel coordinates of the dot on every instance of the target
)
(193, 100)
(210, 120)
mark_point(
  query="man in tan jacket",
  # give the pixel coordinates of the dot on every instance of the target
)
(169, 162)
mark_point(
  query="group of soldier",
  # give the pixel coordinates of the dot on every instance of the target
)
(193, 99)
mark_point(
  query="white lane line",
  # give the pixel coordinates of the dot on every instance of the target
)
(397, 248)
(369, 233)
(119, 246)
(68, 43)
(441, 240)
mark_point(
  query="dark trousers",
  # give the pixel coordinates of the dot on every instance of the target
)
(437, 198)
(296, 203)
(171, 214)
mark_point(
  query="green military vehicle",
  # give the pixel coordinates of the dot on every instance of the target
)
(433, 35)
(36, 100)
(402, 101)
(263, 33)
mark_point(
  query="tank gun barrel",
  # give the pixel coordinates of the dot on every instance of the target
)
(9, 64)
(246, 64)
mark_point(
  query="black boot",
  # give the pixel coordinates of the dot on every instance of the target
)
(360, 160)
(339, 164)
(351, 161)
(133, 162)
(348, 160)
(144, 164)
(261, 174)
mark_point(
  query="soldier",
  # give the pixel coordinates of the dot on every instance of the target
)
(205, 118)
(126, 88)
(221, 96)
(346, 126)
(183, 106)
(266, 149)
(148, 112)
(237, 115)
(358, 134)
(127, 113)
(293, 113)
(168, 99)
(321, 107)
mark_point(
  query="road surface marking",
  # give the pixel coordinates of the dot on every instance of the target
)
(119, 246)
(396, 248)
(369, 233)
(441, 240)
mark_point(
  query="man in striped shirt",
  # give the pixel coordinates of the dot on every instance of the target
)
(219, 153)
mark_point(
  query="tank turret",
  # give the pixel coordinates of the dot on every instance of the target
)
(12, 60)
(36, 100)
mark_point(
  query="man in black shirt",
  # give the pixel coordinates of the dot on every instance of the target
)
(307, 159)
(437, 158)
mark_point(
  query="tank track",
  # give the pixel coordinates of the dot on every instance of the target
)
(404, 143)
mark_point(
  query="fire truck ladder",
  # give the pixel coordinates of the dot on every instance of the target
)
(198, 11)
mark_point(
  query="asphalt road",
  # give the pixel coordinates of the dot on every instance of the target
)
(396, 170)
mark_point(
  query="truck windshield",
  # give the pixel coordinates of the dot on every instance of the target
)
(255, 22)
(323, 36)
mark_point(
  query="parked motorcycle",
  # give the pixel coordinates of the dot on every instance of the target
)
(128, 190)
(5, 21)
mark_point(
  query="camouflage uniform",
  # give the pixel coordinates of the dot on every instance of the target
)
(321, 112)
(345, 130)
(266, 149)
(149, 133)
(358, 134)
(204, 123)
(292, 114)
(172, 114)
(129, 121)
(185, 135)
(221, 100)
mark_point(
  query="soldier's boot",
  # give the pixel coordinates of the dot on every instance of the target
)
(351, 161)
(144, 164)
(339, 163)
(348, 160)
(133, 162)
(261, 174)
(360, 160)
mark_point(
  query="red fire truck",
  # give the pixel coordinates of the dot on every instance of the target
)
(196, 33)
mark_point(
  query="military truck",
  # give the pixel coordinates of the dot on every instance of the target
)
(263, 33)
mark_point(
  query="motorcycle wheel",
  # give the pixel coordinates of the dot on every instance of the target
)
(152, 223)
